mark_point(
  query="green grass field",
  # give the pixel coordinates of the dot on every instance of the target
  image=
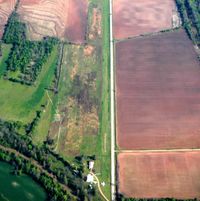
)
(103, 148)
(19, 102)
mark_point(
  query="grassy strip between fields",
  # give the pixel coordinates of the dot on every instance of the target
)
(41, 131)
(105, 137)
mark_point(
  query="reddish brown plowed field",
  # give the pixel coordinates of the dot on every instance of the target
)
(66, 19)
(159, 175)
(6, 8)
(158, 93)
(77, 23)
(137, 17)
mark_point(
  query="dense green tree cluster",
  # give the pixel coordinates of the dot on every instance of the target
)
(15, 31)
(20, 56)
(190, 14)
(26, 57)
(29, 128)
(71, 176)
(194, 16)
(54, 190)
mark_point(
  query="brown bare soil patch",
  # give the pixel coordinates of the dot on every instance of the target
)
(88, 50)
(159, 175)
(66, 19)
(132, 18)
(95, 30)
(77, 23)
(6, 8)
(158, 93)
(74, 71)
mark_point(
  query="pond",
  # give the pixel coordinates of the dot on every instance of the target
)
(18, 188)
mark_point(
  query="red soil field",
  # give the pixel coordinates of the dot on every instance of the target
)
(159, 175)
(66, 19)
(158, 92)
(135, 17)
(6, 8)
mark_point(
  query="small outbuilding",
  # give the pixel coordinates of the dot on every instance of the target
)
(91, 165)
(90, 178)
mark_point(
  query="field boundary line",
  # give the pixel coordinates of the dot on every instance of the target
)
(158, 150)
(150, 34)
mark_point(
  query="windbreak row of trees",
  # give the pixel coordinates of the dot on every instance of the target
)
(190, 14)
(71, 176)
(26, 57)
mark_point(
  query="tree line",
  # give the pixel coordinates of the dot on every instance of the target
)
(190, 13)
(122, 198)
(54, 190)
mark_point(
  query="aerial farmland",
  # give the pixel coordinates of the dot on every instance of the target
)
(141, 17)
(54, 89)
(160, 175)
(99, 100)
(157, 91)
(55, 18)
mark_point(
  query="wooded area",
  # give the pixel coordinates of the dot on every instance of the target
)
(190, 14)
(70, 176)
(26, 57)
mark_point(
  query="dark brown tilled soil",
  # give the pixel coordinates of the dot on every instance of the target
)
(158, 93)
